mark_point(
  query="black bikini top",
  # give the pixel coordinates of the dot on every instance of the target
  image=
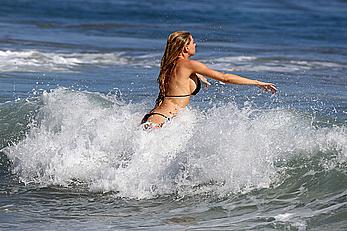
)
(197, 89)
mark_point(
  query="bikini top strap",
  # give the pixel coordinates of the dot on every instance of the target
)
(157, 113)
(177, 96)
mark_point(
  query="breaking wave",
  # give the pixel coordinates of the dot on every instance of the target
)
(95, 140)
(39, 61)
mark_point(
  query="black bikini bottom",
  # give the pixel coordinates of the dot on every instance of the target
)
(148, 124)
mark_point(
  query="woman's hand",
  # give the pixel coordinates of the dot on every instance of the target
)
(203, 79)
(268, 87)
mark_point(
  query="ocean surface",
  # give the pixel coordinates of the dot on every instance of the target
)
(77, 76)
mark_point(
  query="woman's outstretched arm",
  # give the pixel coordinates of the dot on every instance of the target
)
(202, 69)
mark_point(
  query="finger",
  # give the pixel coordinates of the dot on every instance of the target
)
(273, 86)
(270, 88)
(273, 90)
(266, 89)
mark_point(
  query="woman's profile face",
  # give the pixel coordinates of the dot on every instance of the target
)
(191, 46)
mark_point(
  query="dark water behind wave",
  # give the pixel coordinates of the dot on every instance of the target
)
(76, 77)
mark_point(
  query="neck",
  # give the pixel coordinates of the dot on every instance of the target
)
(183, 56)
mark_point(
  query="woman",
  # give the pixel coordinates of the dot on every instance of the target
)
(180, 77)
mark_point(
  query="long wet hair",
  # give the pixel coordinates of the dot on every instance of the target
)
(174, 46)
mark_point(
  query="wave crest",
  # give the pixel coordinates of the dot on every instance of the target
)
(36, 61)
(96, 139)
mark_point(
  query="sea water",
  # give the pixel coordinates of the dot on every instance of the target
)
(77, 77)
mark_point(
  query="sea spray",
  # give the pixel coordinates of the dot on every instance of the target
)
(97, 140)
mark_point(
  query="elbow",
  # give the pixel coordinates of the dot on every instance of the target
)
(225, 78)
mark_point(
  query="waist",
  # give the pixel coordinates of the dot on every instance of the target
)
(170, 107)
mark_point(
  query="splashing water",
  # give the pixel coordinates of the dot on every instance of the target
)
(96, 141)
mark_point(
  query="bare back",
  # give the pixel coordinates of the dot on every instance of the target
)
(186, 77)
(182, 83)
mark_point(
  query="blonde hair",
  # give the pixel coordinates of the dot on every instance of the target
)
(174, 46)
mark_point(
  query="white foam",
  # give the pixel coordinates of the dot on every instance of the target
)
(258, 64)
(33, 60)
(95, 139)
(39, 61)
(284, 216)
(293, 219)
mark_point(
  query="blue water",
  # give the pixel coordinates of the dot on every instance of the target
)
(76, 77)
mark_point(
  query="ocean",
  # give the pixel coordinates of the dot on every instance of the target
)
(76, 78)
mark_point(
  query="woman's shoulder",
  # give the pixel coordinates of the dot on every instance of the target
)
(187, 63)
